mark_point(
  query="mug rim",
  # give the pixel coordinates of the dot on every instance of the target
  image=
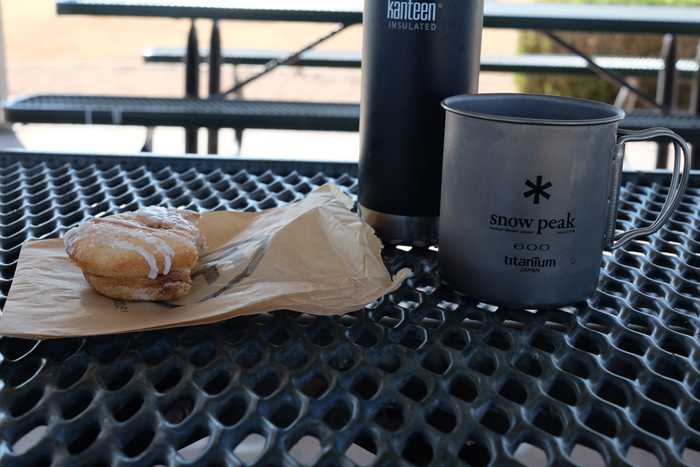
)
(451, 103)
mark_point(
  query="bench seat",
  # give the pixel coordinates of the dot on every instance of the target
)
(547, 63)
(158, 111)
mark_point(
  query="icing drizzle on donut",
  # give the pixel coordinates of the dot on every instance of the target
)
(147, 256)
(153, 233)
(165, 250)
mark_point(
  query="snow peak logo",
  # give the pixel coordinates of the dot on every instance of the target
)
(412, 15)
(537, 190)
(532, 225)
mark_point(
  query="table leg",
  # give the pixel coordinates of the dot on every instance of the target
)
(608, 75)
(667, 77)
(665, 91)
(148, 143)
(275, 63)
(191, 83)
(695, 108)
(214, 81)
(237, 132)
(695, 94)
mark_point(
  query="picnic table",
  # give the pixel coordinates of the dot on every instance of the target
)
(423, 376)
(547, 18)
(574, 17)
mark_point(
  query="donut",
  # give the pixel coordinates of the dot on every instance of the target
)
(164, 287)
(146, 254)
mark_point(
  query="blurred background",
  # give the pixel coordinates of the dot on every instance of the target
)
(47, 53)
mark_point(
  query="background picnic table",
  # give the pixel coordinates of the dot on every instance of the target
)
(106, 67)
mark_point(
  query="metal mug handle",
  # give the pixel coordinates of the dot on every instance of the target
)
(679, 182)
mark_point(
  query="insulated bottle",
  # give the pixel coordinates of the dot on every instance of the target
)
(415, 54)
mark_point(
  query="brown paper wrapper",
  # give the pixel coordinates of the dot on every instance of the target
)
(314, 256)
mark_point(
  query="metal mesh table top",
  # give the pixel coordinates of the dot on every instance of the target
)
(424, 376)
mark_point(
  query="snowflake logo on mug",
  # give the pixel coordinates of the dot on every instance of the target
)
(537, 190)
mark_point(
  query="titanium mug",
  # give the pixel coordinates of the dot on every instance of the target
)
(529, 195)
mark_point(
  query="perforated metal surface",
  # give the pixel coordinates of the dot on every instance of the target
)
(162, 111)
(424, 376)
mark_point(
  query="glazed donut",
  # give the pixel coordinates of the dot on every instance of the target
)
(164, 287)
(147, 254)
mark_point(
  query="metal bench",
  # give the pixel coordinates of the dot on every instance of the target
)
(312, 58)
(686, 125)
(207, 113)
(551, 63)
(546, 63)
(151, 112)
(548, 19)
(563, 17)
(203, 113)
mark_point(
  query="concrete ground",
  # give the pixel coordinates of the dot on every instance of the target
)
(8, 139)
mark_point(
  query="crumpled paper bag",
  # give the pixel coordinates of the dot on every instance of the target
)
(313, 256)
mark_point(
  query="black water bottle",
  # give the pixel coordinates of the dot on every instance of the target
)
(415, 54)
